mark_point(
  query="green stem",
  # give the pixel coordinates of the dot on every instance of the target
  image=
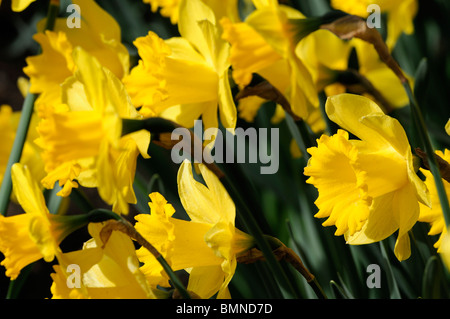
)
(16, 151)
(301, 135)
(52, 14)
(425, 139)
(174, 278)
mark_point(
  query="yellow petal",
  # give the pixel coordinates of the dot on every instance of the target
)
(303, 91)
(90, 73)
(142, 140)
(445, 250)
(53, 65)
(406, 212)
(145, 83)
(248, 107)
(385, 81)
(27, 191)
(190, 249)
(224, 203)
(386, 170)
(205, 281)
(267, 21)
(99, 34)
(83, 134)
(432, 214)
(198, 201)
(39, 231)
(380, 224)
(218, 48)
(20, 5)
(400, 19)
(356, 7)
(186, 249)
(16, 244)
(106, 272)
(227, 108)
(347, 110)
(191, 12)
(184, 114)
(158, 82)
(249, 51)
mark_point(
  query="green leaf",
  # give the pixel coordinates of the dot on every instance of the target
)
(392, 283)
(421, 82)
(431, 280)
(338, 291)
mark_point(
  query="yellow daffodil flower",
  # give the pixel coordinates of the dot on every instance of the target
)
(368, 188)
(99, 34)
(264, 44)
(19, 5)
(188, 73)
(326, 56)
(207, 245)
(433, 215)
(104, 271)
(26, 238)
(83, 140)
(400, 14)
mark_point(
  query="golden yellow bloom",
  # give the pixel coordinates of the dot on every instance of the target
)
(433, 215)
(400, 14)
(159, 82)
(368, 188)
(326, 55)
(105, 272)
(83, 140)
(207, 245)
(99, 34)
(264, 44)
(28, 237)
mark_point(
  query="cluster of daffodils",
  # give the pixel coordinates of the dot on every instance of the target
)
(366, 174)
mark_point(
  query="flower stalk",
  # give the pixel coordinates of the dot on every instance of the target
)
(16, 152)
